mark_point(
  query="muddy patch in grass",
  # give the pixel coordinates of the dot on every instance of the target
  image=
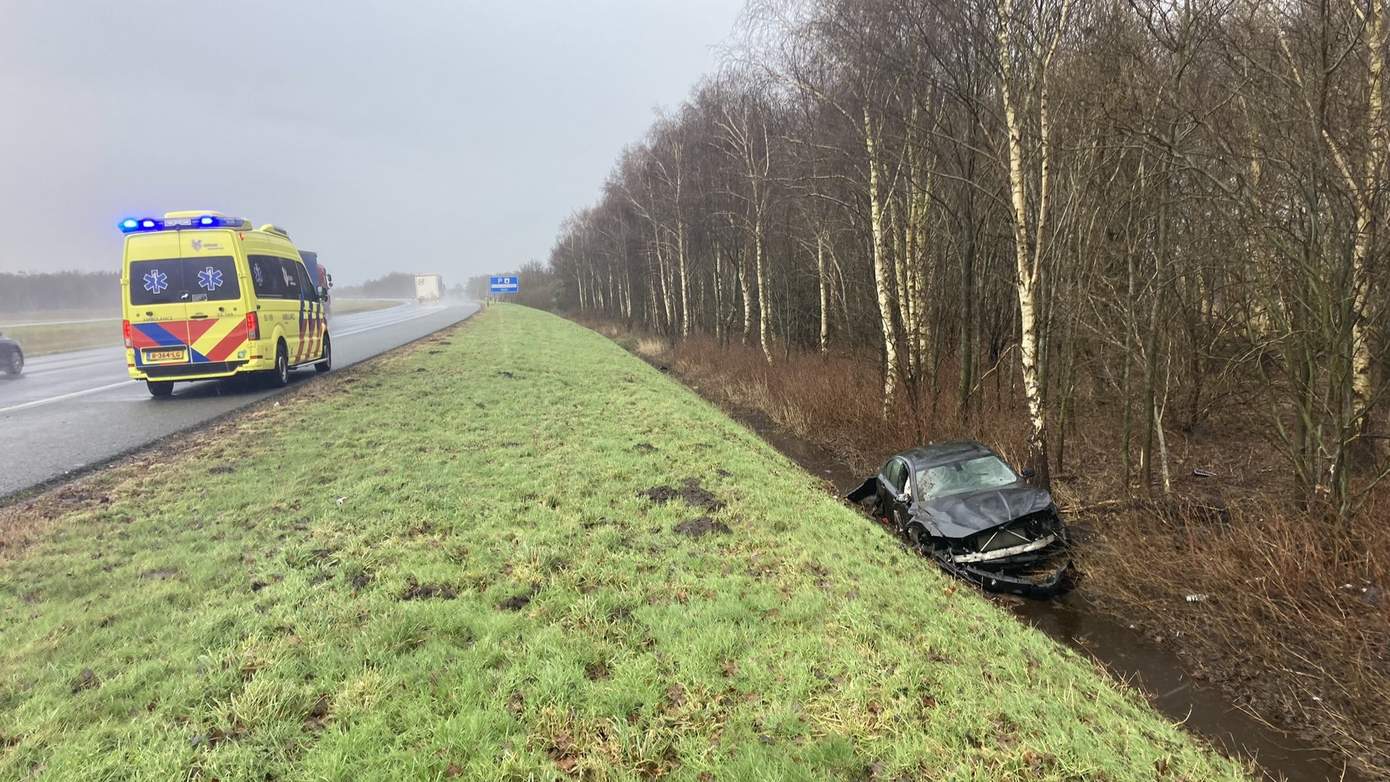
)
(87, 680)
(418, 591)
(597, 671)
(690, 492)
(700, 526)
(318, 714)
(644, 448)
(516, 602)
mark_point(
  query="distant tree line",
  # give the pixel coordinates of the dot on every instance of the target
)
(23, 292)
(1142, 199)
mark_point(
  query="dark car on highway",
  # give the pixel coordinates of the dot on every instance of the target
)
(11, 356)
(966, 508)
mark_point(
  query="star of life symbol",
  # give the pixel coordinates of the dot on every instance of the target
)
(156, 281)
(210, 278)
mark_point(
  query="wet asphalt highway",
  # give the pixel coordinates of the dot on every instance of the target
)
(69, 411)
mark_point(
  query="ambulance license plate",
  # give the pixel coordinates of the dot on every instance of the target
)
(168, 356)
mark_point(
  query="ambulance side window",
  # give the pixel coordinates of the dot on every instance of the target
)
(266, 276)
(289, 273)
(305, 285)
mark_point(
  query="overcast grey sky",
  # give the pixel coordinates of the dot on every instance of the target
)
(414, 136)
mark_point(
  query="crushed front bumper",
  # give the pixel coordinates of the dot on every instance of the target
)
(1042, 576)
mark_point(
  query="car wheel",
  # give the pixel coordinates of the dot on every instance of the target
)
(160, 389)
(918, 537)
(280, 375)
(15, 363)
(327, 362)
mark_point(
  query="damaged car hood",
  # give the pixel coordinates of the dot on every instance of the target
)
(962, 515)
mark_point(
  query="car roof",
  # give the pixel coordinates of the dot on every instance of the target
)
(948, 452)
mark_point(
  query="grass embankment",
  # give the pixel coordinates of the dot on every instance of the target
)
(460, 561)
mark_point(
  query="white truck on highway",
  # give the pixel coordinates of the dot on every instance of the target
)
(429, 288)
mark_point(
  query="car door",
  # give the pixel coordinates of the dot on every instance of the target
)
(896, 500)
(311, 321)
(295, 309)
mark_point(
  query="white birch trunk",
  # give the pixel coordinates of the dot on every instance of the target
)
(824, 294)
(882, 281)
(764, 314)
(1376, 140)
(685, 288)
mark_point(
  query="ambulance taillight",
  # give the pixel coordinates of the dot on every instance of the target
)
(253, 326)
(129, 336)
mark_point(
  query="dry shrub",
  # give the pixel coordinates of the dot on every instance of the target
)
(1286, 611)
(651, 347)
(834, 400)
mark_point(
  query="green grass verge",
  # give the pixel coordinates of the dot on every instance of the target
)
(439, 565)
(41, 339)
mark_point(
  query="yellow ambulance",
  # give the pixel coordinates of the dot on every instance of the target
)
(206, 296)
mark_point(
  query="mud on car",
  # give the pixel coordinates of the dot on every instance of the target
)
(966, 508)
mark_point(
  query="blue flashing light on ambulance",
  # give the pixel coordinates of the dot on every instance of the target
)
(206, 296)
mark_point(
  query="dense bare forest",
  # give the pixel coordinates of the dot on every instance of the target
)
(1129, 240)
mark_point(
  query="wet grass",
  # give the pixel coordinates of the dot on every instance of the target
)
(463, 561)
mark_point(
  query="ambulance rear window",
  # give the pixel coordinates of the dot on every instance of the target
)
(178, 280)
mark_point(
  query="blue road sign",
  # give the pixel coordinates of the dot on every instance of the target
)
(504, 284)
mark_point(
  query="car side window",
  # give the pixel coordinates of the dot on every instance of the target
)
(896, 474)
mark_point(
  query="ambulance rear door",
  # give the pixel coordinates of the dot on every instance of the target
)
(216, 304)
(156, 303)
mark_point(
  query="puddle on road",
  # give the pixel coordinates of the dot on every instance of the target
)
(1157, 672)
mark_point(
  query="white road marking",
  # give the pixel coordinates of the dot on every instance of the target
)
(85, 392)
(375, 326)
(61, 397)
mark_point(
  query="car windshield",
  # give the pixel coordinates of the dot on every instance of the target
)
(984, 472)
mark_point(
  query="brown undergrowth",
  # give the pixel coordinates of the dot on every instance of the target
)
(1286, 613)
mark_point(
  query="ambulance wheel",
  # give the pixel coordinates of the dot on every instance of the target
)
(327, 362)
(280, 375)
(160, 389)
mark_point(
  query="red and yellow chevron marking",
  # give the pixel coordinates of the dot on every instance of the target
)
(311, 329)
(216, 339)
(210, 339)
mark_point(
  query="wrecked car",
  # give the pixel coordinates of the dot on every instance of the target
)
(966, 508)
